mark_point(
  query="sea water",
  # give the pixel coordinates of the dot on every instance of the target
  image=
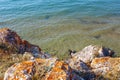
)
(22, 12)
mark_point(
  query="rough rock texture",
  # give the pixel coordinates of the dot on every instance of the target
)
(41, 69)
(26, 70)
(62, 71)
(59, 71)
(81, 61)
(90, 52)
(21, 71)
(79, 65)
(106, 67)
(10, 41)
(99, 68)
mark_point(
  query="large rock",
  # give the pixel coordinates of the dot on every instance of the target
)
(11, 42)
(90, 52)
(95, 67)
(21, 71)
(106, 67)
(80, 61)
(41, 69)
(27, 70)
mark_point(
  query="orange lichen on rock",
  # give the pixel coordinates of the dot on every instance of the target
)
(99, 61)
(41, 69)
(106, 67)
(19, 71)
(104, 61)
(26, 70)
(59, 71)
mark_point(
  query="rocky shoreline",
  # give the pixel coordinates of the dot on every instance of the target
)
(91, 63)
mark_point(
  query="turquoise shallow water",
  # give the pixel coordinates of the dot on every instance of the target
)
(23, 12)
(57, 24)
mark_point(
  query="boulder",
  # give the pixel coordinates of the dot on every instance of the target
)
(90, 52)
(21, 71)
(95, 67)
(41, 69)
(10, 42)
(81, 61)
(27, 70)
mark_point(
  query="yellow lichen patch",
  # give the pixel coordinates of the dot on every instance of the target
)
(58, 72)
(22, 70)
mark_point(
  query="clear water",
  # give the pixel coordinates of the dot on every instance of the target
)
(97, 18)
(22, 12)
